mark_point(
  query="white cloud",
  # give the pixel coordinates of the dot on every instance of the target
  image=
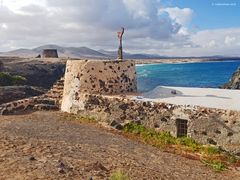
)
(94, 23)
(15, 5)
(83, 22)
(209, 43)
(181, 16)
(3, 26)
(221, 37)
(229, 40)
(212, 43)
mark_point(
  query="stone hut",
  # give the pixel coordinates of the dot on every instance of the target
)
(50, 53)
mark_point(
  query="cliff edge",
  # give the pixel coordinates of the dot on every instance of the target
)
(234, 82)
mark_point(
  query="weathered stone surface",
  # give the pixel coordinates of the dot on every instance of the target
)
(116, 125)
(45, 107)
(212, 127)
(234, 82)
(13, 93)
(49, 101)
(97, 77)
(50, 53)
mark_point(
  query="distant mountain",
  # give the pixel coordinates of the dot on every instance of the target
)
(76, 52)
(131, 56)
(20, 53)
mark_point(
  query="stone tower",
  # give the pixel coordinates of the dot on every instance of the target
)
(50, 53)
(107, 77)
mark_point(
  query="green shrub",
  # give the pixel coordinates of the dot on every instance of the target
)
(216, 165)
(212, 156)
(189, 142)
(119, 175)
(211, 150)
(150, 135)
(8, 80)
(18, 80)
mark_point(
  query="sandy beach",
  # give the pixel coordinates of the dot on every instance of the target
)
(205, 97)
(184, 60)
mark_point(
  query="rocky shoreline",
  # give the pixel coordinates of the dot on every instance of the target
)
(234, 82)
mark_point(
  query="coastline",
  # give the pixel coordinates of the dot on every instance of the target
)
(182, 60)
(192, 96)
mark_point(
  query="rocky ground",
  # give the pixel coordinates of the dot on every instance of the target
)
(44, 145)
(38, 72)
(12, 93)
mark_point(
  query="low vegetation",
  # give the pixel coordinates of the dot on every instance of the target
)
(119, 175)
(209, 155)
(8, 80)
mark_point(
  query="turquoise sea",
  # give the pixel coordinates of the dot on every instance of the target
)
(202, 74)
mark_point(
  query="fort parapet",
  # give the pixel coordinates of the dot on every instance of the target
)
(109, 77)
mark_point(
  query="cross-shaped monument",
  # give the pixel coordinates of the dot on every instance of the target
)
(120, 49)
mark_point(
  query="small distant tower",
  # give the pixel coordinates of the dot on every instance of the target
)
(120, 48)
(50, 53)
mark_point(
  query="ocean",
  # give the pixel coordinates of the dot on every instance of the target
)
(201, 74)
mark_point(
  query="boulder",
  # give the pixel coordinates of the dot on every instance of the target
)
(234, 82)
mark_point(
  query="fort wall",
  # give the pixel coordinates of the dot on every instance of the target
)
(205, 125)
(105, 90)
(97, 77)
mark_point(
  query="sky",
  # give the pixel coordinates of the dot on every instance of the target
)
(164, 27)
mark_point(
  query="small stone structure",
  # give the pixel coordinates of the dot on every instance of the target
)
(50, 53)
(107, 77)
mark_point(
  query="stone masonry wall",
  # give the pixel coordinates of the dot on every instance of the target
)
(50, 53)
(206, 125)
(97, 77)
(50, 101)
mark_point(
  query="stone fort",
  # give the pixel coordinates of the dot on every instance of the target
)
(103, 89)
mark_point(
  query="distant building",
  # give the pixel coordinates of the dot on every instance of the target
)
(50, 53)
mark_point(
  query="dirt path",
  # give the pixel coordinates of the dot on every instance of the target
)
(42, 145)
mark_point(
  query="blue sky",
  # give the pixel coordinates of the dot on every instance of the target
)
(165, 27)
(211, 14)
